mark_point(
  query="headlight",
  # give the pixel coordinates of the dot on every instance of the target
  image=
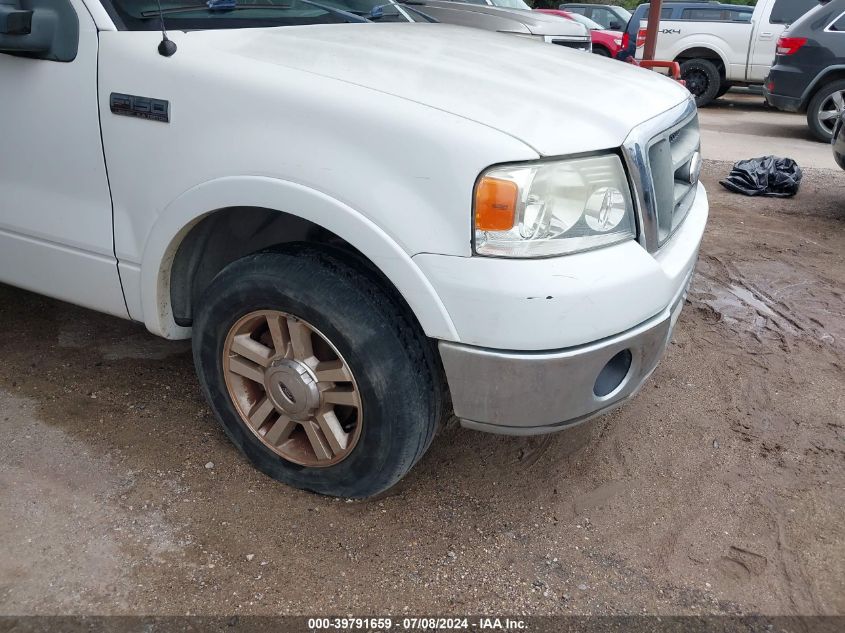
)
(553, 208)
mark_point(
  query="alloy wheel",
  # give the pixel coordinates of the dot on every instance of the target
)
(292, 388)
(697, 82)
(830, 111)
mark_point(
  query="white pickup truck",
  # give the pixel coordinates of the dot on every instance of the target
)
(719, 48)
(362, 226)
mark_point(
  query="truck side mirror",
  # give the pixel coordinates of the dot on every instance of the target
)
(46, 29)
(615, 26)
(15, 21)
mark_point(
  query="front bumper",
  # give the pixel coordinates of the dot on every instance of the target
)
(534, 393)
(555, 303)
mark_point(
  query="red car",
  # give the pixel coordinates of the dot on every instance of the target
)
(605, 43)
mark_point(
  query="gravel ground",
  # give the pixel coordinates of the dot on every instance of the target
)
(719, 489)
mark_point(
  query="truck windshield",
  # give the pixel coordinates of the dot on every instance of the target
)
(142, 15)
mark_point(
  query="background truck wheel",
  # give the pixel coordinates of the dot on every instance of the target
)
(723, 90)
(601, 51)
(825, 109)
(703, 80)
(316, 373)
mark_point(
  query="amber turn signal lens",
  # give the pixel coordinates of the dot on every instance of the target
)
(495, 204)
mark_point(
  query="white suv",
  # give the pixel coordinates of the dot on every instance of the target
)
(361, 225)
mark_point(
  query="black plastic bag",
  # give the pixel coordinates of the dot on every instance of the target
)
(767, 176)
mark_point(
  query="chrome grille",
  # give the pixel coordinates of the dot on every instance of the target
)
(661, 156)
(581, 45)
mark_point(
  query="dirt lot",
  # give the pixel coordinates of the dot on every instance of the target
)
(720, 489)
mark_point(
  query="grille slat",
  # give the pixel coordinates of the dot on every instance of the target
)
(581, 45)
(685, 143)
(685, 146)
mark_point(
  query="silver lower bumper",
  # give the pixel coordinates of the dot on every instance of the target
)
(533, 393)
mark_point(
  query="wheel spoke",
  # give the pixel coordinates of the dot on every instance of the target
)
(280, 431)
(278, 333)
(341, 397)
(321, 449)
(332, 371)
(337, 437)
(300, 339)
(838, 100)
(282, 373)
(261, 413)
(247, 369)
(245, 346)
(827, 115)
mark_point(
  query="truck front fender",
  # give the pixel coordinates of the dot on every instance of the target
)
(183, 213)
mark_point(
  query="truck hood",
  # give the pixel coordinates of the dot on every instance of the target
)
(556, 100)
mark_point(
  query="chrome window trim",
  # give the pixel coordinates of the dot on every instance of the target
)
(828, 28)
(406, 14)
(635, 150)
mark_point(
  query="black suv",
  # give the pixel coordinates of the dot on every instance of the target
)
(809, 71)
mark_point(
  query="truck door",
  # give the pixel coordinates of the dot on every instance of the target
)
(770, 21)
(55, 207)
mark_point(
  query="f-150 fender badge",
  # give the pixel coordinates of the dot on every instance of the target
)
(141, 107)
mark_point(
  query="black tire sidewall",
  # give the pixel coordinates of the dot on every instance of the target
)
(601, 51)
(391, 372)
(815, 105)
(714, 79)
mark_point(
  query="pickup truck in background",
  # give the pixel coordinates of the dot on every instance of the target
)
(717, 45)
(362, 225)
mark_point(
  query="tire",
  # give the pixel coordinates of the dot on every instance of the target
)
(830, 98)
(703, 80)
(723, 90)
(394, 370)
(601, 51)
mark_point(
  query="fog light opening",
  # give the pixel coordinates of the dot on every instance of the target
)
(613, 374)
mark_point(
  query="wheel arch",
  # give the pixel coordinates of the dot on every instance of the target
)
(830, 74)
(703, 52)
(174, 250)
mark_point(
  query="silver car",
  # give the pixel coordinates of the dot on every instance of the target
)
(516, 21)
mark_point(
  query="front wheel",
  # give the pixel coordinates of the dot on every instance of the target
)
(316, 373)
(601, 51)
(703, 80)
(825, 109)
